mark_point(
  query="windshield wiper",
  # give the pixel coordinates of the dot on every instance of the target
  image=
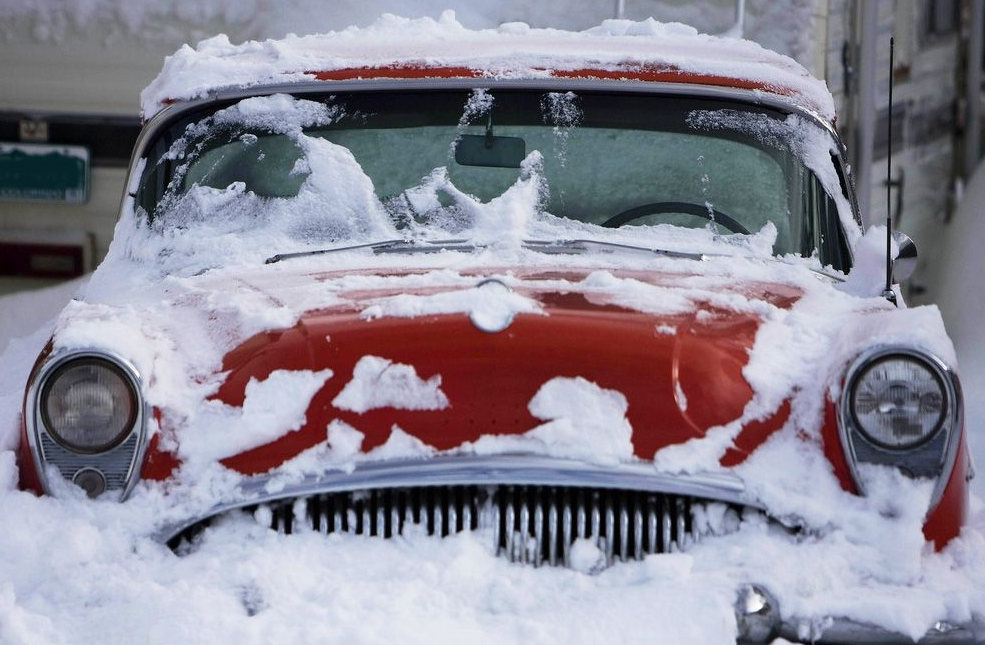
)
(386, 246)
(559, 247)
(579, 246)
(553, 247)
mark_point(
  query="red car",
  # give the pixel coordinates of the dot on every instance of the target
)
(579, 301)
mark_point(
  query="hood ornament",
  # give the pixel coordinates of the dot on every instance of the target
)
(493, 310)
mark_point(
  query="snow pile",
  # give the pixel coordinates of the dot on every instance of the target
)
(335, 201)
(23, 312)
(584, 422)
(489, 307)
(380, 383)
(514, 50)
(220, 430)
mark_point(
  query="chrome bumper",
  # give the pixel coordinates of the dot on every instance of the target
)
(758, 618)
(847, 632)
(757, 613)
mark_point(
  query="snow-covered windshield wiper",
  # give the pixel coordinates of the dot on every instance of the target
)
(559, 247)
(386, 246)
(563, 247)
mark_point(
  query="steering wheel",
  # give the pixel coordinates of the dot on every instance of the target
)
(698, 210)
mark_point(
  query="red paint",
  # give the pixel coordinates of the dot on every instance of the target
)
(490, 378)
(831, 440)
(945, 520)
(29, 479)
(755, 434)
(647, 73)
(159, 464)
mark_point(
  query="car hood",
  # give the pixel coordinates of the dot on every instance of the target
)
(487, 342)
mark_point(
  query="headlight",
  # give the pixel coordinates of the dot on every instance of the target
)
(88, 405)
(897, 401)
(901, 407)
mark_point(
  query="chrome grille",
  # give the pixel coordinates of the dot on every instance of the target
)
(530, 524)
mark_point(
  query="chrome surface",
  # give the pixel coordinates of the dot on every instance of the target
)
(906, 260)
(842, 631)
(757, 615)
(119, 465)
(758, 620)
(466, 470)
(115, 464)
(512, 516)
(951, 428)
(492, 323)
(91, 480)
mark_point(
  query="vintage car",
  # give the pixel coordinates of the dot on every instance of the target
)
(602, 293)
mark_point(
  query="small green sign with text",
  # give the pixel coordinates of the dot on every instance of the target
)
(41, 172)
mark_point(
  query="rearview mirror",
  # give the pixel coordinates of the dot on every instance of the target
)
(490, 151)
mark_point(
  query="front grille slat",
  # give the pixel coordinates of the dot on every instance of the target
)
(610, 530)
(552, 526)
(681, 524)
(623, 532)
(566, 528)
(665, 527)
(529, 524)
(651, 526)
(509, 529)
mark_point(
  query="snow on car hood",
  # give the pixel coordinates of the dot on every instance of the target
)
(514, 50)
(775, 332)
(407, 352)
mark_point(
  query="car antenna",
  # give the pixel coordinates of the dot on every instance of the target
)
(889, 294)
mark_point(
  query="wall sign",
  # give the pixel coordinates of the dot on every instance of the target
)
(44, 173)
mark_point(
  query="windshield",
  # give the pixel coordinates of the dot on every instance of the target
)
(368, 165)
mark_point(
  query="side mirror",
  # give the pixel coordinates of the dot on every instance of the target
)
(906, 260)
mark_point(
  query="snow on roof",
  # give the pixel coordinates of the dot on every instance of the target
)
(647, 49)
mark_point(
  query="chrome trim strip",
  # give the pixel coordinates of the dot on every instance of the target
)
(954, 416)
(464, 470)
(35, 427)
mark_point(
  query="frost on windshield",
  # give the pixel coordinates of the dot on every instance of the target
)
(561, 110)
(796, 135)
(274, 175)
(248, 179)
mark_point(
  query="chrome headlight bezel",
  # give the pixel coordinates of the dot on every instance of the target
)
(118, 461)
(859, 377)
(931, 456)
(61, 372)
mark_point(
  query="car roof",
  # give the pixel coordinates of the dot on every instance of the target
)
(398, 48)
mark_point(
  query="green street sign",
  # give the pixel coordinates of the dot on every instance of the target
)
(41, 172)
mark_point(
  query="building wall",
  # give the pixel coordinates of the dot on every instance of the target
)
(925, 127)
